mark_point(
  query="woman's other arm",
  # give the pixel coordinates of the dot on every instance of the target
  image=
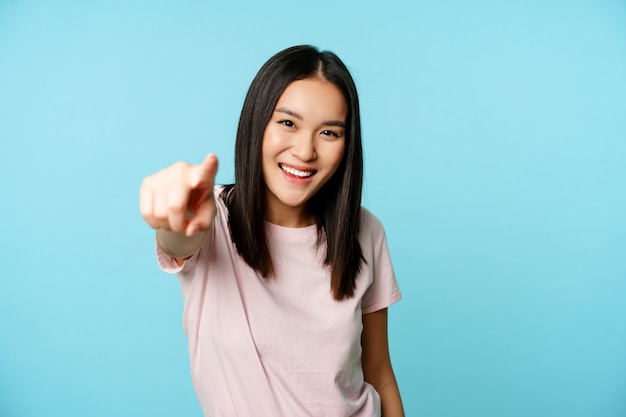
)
(376, 363)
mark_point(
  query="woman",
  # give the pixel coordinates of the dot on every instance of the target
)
(286, 280)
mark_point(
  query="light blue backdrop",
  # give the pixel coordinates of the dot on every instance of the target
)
(495, 140)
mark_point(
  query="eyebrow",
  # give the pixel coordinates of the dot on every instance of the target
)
(337, 123)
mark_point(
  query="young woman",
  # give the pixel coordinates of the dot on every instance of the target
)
(286, 279)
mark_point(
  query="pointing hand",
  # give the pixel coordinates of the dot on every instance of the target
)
(180, 197)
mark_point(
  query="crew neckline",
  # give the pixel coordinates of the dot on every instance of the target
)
(291, 234)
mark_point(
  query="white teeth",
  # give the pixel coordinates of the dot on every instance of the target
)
(296, 172)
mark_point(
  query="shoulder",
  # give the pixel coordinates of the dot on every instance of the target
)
(221, 194)
(369, 223)
(221, 191)
(371, 231)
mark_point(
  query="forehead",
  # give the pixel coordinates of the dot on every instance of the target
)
(314, 98)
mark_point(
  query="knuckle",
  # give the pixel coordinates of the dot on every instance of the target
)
(176, 207)
(159, 214)
(145, 213)
(180, 167)
(146, 184)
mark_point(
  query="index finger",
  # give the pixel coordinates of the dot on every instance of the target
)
(205, 172)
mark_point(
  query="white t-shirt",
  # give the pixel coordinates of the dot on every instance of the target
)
(280, 346)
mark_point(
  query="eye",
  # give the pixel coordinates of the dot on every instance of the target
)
(330, 133)
(286, 122)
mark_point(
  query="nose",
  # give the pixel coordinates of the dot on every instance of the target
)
(303, 147)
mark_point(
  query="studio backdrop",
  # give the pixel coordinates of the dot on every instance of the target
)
(495, 156)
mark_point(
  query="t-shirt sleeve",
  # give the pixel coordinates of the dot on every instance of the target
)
(384, 290)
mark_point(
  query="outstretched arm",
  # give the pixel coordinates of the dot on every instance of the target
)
(179, 203)
(376, 363)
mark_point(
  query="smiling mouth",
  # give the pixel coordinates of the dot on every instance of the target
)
(297, 172)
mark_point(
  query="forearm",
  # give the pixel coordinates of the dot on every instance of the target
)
(178, 244)
(391, 403)
(376, 363)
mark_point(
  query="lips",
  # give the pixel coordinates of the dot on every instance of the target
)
(299, 173)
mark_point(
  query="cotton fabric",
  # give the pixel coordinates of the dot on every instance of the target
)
(280, 346)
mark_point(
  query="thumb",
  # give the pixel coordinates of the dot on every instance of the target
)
(203, 218)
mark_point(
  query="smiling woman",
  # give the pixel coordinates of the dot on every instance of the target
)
(286, 279)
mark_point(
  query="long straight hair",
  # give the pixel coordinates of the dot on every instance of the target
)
(336, 206)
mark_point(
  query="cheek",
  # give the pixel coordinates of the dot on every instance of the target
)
(337, 153)
(272, 142)
(266, 153)
(268, 145)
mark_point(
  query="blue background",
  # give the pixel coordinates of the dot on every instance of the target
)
(495, 149)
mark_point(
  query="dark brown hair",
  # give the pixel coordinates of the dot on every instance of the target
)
(336, 206)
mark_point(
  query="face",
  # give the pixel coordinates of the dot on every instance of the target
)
(303, 145)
